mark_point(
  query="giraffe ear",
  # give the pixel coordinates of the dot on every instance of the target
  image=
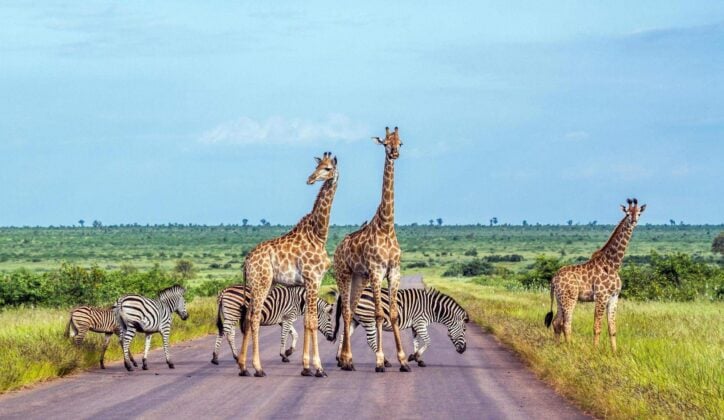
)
(318, 160)
(378, 140)
(623, 208)
(642, 208)
(334, 161)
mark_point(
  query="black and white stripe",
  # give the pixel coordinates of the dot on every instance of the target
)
(283, 306)
(138, 313)
(417, 308)
(89, 318)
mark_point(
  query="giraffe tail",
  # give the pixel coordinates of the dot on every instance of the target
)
(549, 315)
(337, 315)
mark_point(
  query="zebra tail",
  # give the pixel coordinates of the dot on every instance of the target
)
(549, 315)
(67, 328)
(219, 321)
(337, 315)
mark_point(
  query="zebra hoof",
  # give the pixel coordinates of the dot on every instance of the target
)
(411, 357)
(171, 366)
(129, 367)
(320, 374)
(421, 363)
(289, 351)
(259, 374)
(215, 361)
(244, 373)
(285, 359)
(145, 367)
(306, 372)
(404, 368)
(379, 369)
(134, 364)
(103, 366)
(387, 363)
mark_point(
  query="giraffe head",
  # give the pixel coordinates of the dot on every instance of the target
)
(326, 168)
(633, 211)
(391, 142)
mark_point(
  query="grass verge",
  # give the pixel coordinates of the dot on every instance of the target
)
(34, 348)
(669, 363)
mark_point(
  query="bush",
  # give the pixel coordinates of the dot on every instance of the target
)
(504, 258)
(718, 244)
(213, 287)
(471, 268)
(541, 272)
(471, 252)
(416, 264)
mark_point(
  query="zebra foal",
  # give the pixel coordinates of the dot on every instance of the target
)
(135, 313)
(418, 308)
(89, 318)
(283, 306)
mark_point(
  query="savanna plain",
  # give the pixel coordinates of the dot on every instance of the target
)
(670, 358)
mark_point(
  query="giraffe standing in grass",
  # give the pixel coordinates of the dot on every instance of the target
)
(595, 280)
(368, 256)
(295, 259)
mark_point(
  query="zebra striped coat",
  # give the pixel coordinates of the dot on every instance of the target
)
(418, 308)
(89, 318)
(135, 313)
(283, 306)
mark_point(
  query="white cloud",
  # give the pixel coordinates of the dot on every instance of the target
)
(576, 135)
(280, 130)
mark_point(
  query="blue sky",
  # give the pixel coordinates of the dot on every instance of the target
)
(210, 113)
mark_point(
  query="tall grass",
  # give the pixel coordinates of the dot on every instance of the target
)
(669, 363)
(34, 347)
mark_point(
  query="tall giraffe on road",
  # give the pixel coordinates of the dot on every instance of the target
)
(368, 256)
(297, 258)
(594, 280)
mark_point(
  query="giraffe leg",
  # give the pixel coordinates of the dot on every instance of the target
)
(558, 321)
(241, 360)
(568, 306)
(598, 317)
(376, 281)
(354, 285)
(255, 324)
(352, 327)
(612, 320)
(393, 279)
(313, 325)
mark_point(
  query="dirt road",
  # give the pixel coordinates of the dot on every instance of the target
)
(487, 381)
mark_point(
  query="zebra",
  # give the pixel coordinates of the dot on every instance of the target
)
(138, 313)
(89, 318)
(283, 306)
(418, 308)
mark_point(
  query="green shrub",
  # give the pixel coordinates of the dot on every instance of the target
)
(471, 268)
(541, 272)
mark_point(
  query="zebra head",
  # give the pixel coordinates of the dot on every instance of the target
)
(174, 298)
(324, 318)
(452, 315)
(456, 332)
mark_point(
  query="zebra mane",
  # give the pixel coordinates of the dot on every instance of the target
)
(171, 290)
(434, 293)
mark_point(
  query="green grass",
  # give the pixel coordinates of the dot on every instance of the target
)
(34, 348)
(669, 364)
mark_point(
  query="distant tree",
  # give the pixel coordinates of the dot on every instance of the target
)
(493, 221)
(185, 269)
(672, 222)
(81, 222)
(432, 222)
(570, 222)
(244, 222)
(525, 223)
(439, 221)
(718, 244)
(97, 224)
(414, 224)
(263, 222)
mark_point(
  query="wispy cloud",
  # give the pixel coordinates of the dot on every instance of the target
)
(579, 135)
(288, 131)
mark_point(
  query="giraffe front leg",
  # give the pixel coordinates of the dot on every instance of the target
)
(352, 286)
(241, 360)
(310, 326)
(612, 320)
(393, 279)
(147, 346)
(567, 316)
(256, 357)
(598, 318)
(352, 327)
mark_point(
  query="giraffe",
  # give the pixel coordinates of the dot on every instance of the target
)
(594, 280)
(368, 256)
(296, 258)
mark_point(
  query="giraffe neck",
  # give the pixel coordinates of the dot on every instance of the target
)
(385, 216)
(319, 217)
(615, 248)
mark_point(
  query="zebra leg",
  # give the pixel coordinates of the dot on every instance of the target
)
(127, 336)
(295, 336)
(231, 338)
(106, 340)
(424, 337)
(376, 280)
(393, 278)
(286, 325)
(165, 335)
(217, 344)
(146, 347)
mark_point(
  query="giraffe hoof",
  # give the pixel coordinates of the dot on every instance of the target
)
(306, 372)
(320, 374)
(421, 363)
(289, 352)
(244, 373)
(404, 368)
(259, 374)
(215, 361)
(349, 367)
(387, 363)
(379, 369)
(285, 359)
